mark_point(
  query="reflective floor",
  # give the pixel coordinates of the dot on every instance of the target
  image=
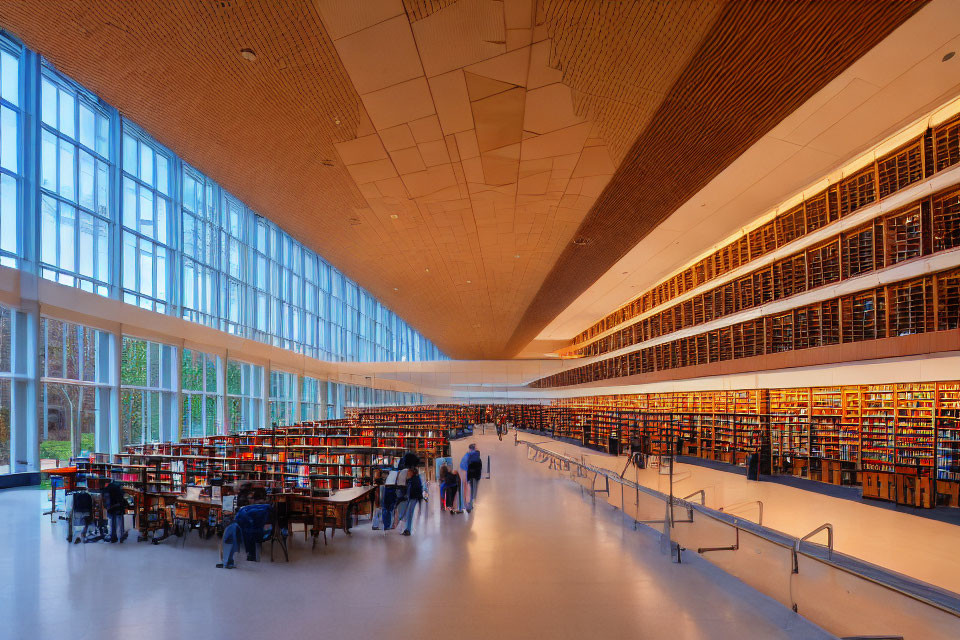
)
(921, 548)
(534, 560)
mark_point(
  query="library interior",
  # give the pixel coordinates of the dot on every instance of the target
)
(284, 284)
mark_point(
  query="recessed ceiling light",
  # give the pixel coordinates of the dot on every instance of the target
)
(516, 255)
(396, 289)
(336, 121)
(427, 269)
(469, 281)
(394, 216)
(248, 55)
(948, 55)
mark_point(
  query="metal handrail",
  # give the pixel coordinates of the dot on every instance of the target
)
(796, 545)
(703, 496)
(759, 503)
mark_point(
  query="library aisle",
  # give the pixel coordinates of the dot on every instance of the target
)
(925, 548)
(533, 560)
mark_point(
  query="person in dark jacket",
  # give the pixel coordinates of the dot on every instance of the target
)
(249, 526)
(753, 467)
(449, 489)
(116, 504)
(414, 496)
(471, 456)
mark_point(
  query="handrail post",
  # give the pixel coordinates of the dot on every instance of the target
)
(796, 545)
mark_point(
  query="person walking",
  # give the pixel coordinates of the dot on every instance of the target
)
(414, 496)
(116, 503)
(471, 460)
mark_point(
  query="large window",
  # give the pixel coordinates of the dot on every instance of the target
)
(98, 205)
(201, 253)
(145, 212)
(283, 396)
(10, 145)
(201, 400)
(311, 400)
(244, 396)
(6, 375)
(75, 365)
(75, 216)
(148, 391)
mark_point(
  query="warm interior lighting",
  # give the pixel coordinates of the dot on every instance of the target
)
(248, 54)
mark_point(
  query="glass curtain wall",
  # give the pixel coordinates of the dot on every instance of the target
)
(201, 401)
(148, 386)
(283, 397)
(75, 390)
(244, 396)
(75, 215)
(341, 397)
(185, 246)
(311, 399)
(11, 145)
(6, 380)
(89, 200)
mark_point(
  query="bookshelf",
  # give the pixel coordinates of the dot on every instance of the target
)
(789, 419)
(889, 174)
(948, 444)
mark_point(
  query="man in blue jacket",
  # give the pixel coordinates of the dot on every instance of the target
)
(471, 461)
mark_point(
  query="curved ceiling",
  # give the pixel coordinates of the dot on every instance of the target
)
(445, 154)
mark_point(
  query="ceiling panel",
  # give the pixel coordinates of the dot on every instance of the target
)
(445, 153)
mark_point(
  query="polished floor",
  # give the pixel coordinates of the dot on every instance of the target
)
(534, 560)
(922, 548)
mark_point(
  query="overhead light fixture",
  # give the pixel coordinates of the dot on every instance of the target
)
(517, 255)
(469, 281)
(948, 55)
(427, 269)
(248, 54)
(394, 216)
(396, 289)
(336, 121)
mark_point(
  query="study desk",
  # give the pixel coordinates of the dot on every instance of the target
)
(196, 512)
(344, 500)
(320, 512)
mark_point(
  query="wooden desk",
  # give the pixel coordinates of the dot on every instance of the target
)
(344, 500)
(319, 512)
(198, 512)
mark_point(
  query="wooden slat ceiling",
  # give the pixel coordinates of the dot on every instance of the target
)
(445, 153)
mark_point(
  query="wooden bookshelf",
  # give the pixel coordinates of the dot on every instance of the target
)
(948, 444)
(790, 447)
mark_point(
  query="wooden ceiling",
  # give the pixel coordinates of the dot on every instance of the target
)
(446, 153)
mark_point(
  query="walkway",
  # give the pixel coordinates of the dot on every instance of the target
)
(534, 560)
(922, 548)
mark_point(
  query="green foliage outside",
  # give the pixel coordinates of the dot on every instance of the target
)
(61, 450)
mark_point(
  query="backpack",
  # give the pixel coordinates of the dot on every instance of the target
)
(474, 469)
(82, 502)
